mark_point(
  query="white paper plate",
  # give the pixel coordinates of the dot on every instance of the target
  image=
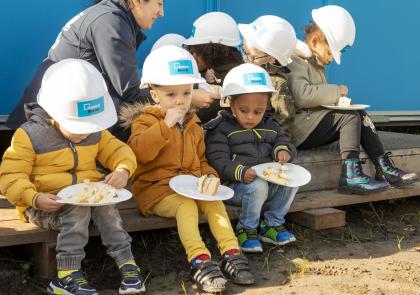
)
(67, 194)
(186, 185)
(353, 107)
(297, 175)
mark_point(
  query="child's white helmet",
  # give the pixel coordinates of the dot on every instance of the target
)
(74, 93)
(272, 35)
(169, 39)
(215, 27)
(338, 27)
(170, 65)
(246, 78)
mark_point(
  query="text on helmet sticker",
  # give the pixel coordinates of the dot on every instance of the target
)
(180, 67)
(251, 79)
(90, 107)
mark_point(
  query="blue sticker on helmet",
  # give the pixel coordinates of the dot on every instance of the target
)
(253, 79)
(180, 67)
(193, 31)
(90, 107)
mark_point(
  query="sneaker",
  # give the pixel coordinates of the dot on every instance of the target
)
(277, 235)
(73, 284)
(386, 170)
(237, 270)
(131, 280)
(248, 240)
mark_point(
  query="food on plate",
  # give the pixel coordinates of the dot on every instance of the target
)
(344, 102)
(95, 193)
(208, 185)
(277, 175)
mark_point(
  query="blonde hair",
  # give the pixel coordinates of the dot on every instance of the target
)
(313, 31)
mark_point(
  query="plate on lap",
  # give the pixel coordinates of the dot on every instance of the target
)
(296, 175)
(187, 185)
(92, 194)
(353, 107)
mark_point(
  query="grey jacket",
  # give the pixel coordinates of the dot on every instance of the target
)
(309, 88)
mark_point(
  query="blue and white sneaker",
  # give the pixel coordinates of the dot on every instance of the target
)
(73, 284)
(277, 235)
(131, 280)
(248, 240)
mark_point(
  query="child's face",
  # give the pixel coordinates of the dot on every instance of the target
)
(255, 56)
(249, 109)
(321, 49)
(173, 96)
(75, 138)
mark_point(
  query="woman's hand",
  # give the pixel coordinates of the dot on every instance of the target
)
(203, 99)
(343, 90)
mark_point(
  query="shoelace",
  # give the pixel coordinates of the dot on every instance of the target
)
(81, 281)
(359, 169)
(389, 164)
(130, 274)
(251, 234)
(280, 228)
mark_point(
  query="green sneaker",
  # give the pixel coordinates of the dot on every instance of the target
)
(248, 240)
(277, 235)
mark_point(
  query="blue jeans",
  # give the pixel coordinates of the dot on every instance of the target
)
(252, 196)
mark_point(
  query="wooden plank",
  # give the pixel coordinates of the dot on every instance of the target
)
(8, 214)
(318, 219)
(43, 258)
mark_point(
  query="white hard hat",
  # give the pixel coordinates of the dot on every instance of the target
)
(215, 27)
(272, 35)
(74, 93)
(169, 39)
(338, 27)
(170, 65)
(246, 78)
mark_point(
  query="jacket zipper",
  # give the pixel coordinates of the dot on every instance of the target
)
(75, 164)
(257, 137)
(182, 148)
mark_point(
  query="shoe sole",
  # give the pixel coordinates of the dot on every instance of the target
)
(132, 291)
(53, 290)
(355, 191)
(252, 250)
(270, 241)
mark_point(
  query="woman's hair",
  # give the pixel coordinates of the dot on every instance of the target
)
(214, 54)
(313, 31)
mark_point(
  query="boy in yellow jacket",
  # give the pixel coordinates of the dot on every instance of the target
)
(168, 140)
(59, 145)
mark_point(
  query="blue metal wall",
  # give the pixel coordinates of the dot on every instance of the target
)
(380, 69)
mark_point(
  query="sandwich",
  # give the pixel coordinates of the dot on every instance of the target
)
(208, 185)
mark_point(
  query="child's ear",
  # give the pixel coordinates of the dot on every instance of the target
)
(154, 95)
(313, 42)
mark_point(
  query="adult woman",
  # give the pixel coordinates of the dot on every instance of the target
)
(106, 35)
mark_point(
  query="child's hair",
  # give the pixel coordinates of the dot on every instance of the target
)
(232, 98)
(214, 54)
(313, 31)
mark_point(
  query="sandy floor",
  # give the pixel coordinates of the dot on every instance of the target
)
(378, 252)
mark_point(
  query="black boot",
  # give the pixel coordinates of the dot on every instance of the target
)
(385, 170)
(354, 181)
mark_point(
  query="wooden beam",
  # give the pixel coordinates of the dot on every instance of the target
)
(43, 258)
(318, 219)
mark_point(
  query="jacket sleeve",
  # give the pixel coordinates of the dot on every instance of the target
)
(305, 94)
(114, 43)
(282, 143)
(218, 154)
(148, 138)
(115, 154)
(15, 171)
(201, 151)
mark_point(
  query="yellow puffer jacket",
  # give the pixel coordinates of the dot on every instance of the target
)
(41, 160)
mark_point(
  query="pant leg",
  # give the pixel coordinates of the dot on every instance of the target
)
(369, 137)
(117, 241)
(281, 198)
(185, 211)
(342, 125)
(220, 225)
(251, 197)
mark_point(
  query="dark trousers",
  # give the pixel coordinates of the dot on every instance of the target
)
(352, 129)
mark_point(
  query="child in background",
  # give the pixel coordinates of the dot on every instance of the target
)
(332, 31)
(168, 141)
(269, 42)
(214, 44)
(58, 147)
(241, 138)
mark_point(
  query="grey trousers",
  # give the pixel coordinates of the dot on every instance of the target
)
(72, 223)
(352, 128)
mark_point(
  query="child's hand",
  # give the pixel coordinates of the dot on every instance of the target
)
(250, 175)
(174, 115)
(343, 90)
(47, 203)
(283, 157)
(118, 178)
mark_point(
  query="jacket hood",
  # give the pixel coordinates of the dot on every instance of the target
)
(34, 112)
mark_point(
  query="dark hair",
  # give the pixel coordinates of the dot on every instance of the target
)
(214, 55)
(235, 97)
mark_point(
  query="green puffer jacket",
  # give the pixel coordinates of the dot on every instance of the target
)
(309, 88)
